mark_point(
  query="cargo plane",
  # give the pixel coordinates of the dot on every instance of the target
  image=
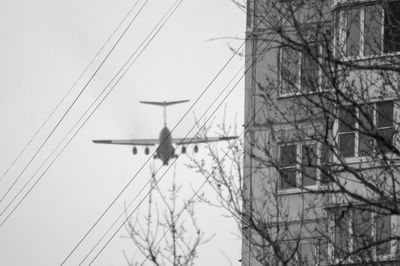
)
(165, 150)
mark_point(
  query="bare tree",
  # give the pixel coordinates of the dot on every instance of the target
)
(169, 234)
(320, 179)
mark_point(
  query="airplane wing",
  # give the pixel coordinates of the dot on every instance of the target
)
(133, 142)
(181, 141)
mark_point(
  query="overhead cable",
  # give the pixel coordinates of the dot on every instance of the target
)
(68, 92)
(127, 65)
(72, 104)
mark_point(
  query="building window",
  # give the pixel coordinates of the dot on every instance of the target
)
(365, 130)
(289, 66)
(368, 30)
(391, 37)
(308, 165)
(288, 166)
(353, 34)
(308, 253)
(347, 131)
(372, 30)
(310, 70)
(358, 231)
(303, 165)
(384, 124)
(300, 72)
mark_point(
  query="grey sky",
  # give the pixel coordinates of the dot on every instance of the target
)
(45, 44)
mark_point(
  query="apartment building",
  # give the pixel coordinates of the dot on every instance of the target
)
(322, 151)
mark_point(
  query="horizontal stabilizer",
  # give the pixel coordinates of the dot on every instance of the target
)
(164, 103)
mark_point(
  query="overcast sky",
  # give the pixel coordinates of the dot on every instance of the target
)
(45, 45)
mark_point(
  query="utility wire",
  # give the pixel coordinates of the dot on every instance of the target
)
(68, 92)
(72, 104)
(122, 70)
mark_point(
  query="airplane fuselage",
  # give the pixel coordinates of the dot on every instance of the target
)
(165, 149)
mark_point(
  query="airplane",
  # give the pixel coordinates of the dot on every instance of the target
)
(165, 150)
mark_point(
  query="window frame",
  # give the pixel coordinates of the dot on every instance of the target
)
(357, 134)
(372, 222)
(319, 183)
(315, 248)
(300, 89)
(341, 32)
(290, 167)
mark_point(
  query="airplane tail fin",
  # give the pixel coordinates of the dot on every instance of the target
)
(164, 103)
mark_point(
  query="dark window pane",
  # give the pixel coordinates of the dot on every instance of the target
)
(288, 178)
(309, 70)
(384, 114)
(347, 119)
(383, 233)
(326, 71)
(309, 164)
(338, 27)
(323, 252)
(385, 125)
(372, 30)
(365, 145)
(392, 27)
(342, 236)
(346, 144)
(288, 155)
(353, 32)
(326, 159)
(307, 254)
(366, 121)
(385, 143)
(309, 175)
(362, 232)
(289, 70)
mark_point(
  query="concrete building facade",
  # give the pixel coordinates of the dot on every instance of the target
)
(321, 145)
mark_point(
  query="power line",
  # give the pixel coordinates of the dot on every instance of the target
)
(122, 70)
(72, 104)
(68, 92)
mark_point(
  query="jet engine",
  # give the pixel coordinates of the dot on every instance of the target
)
(196, 148)
(146, 151)
(134, 151)
(183, 149)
